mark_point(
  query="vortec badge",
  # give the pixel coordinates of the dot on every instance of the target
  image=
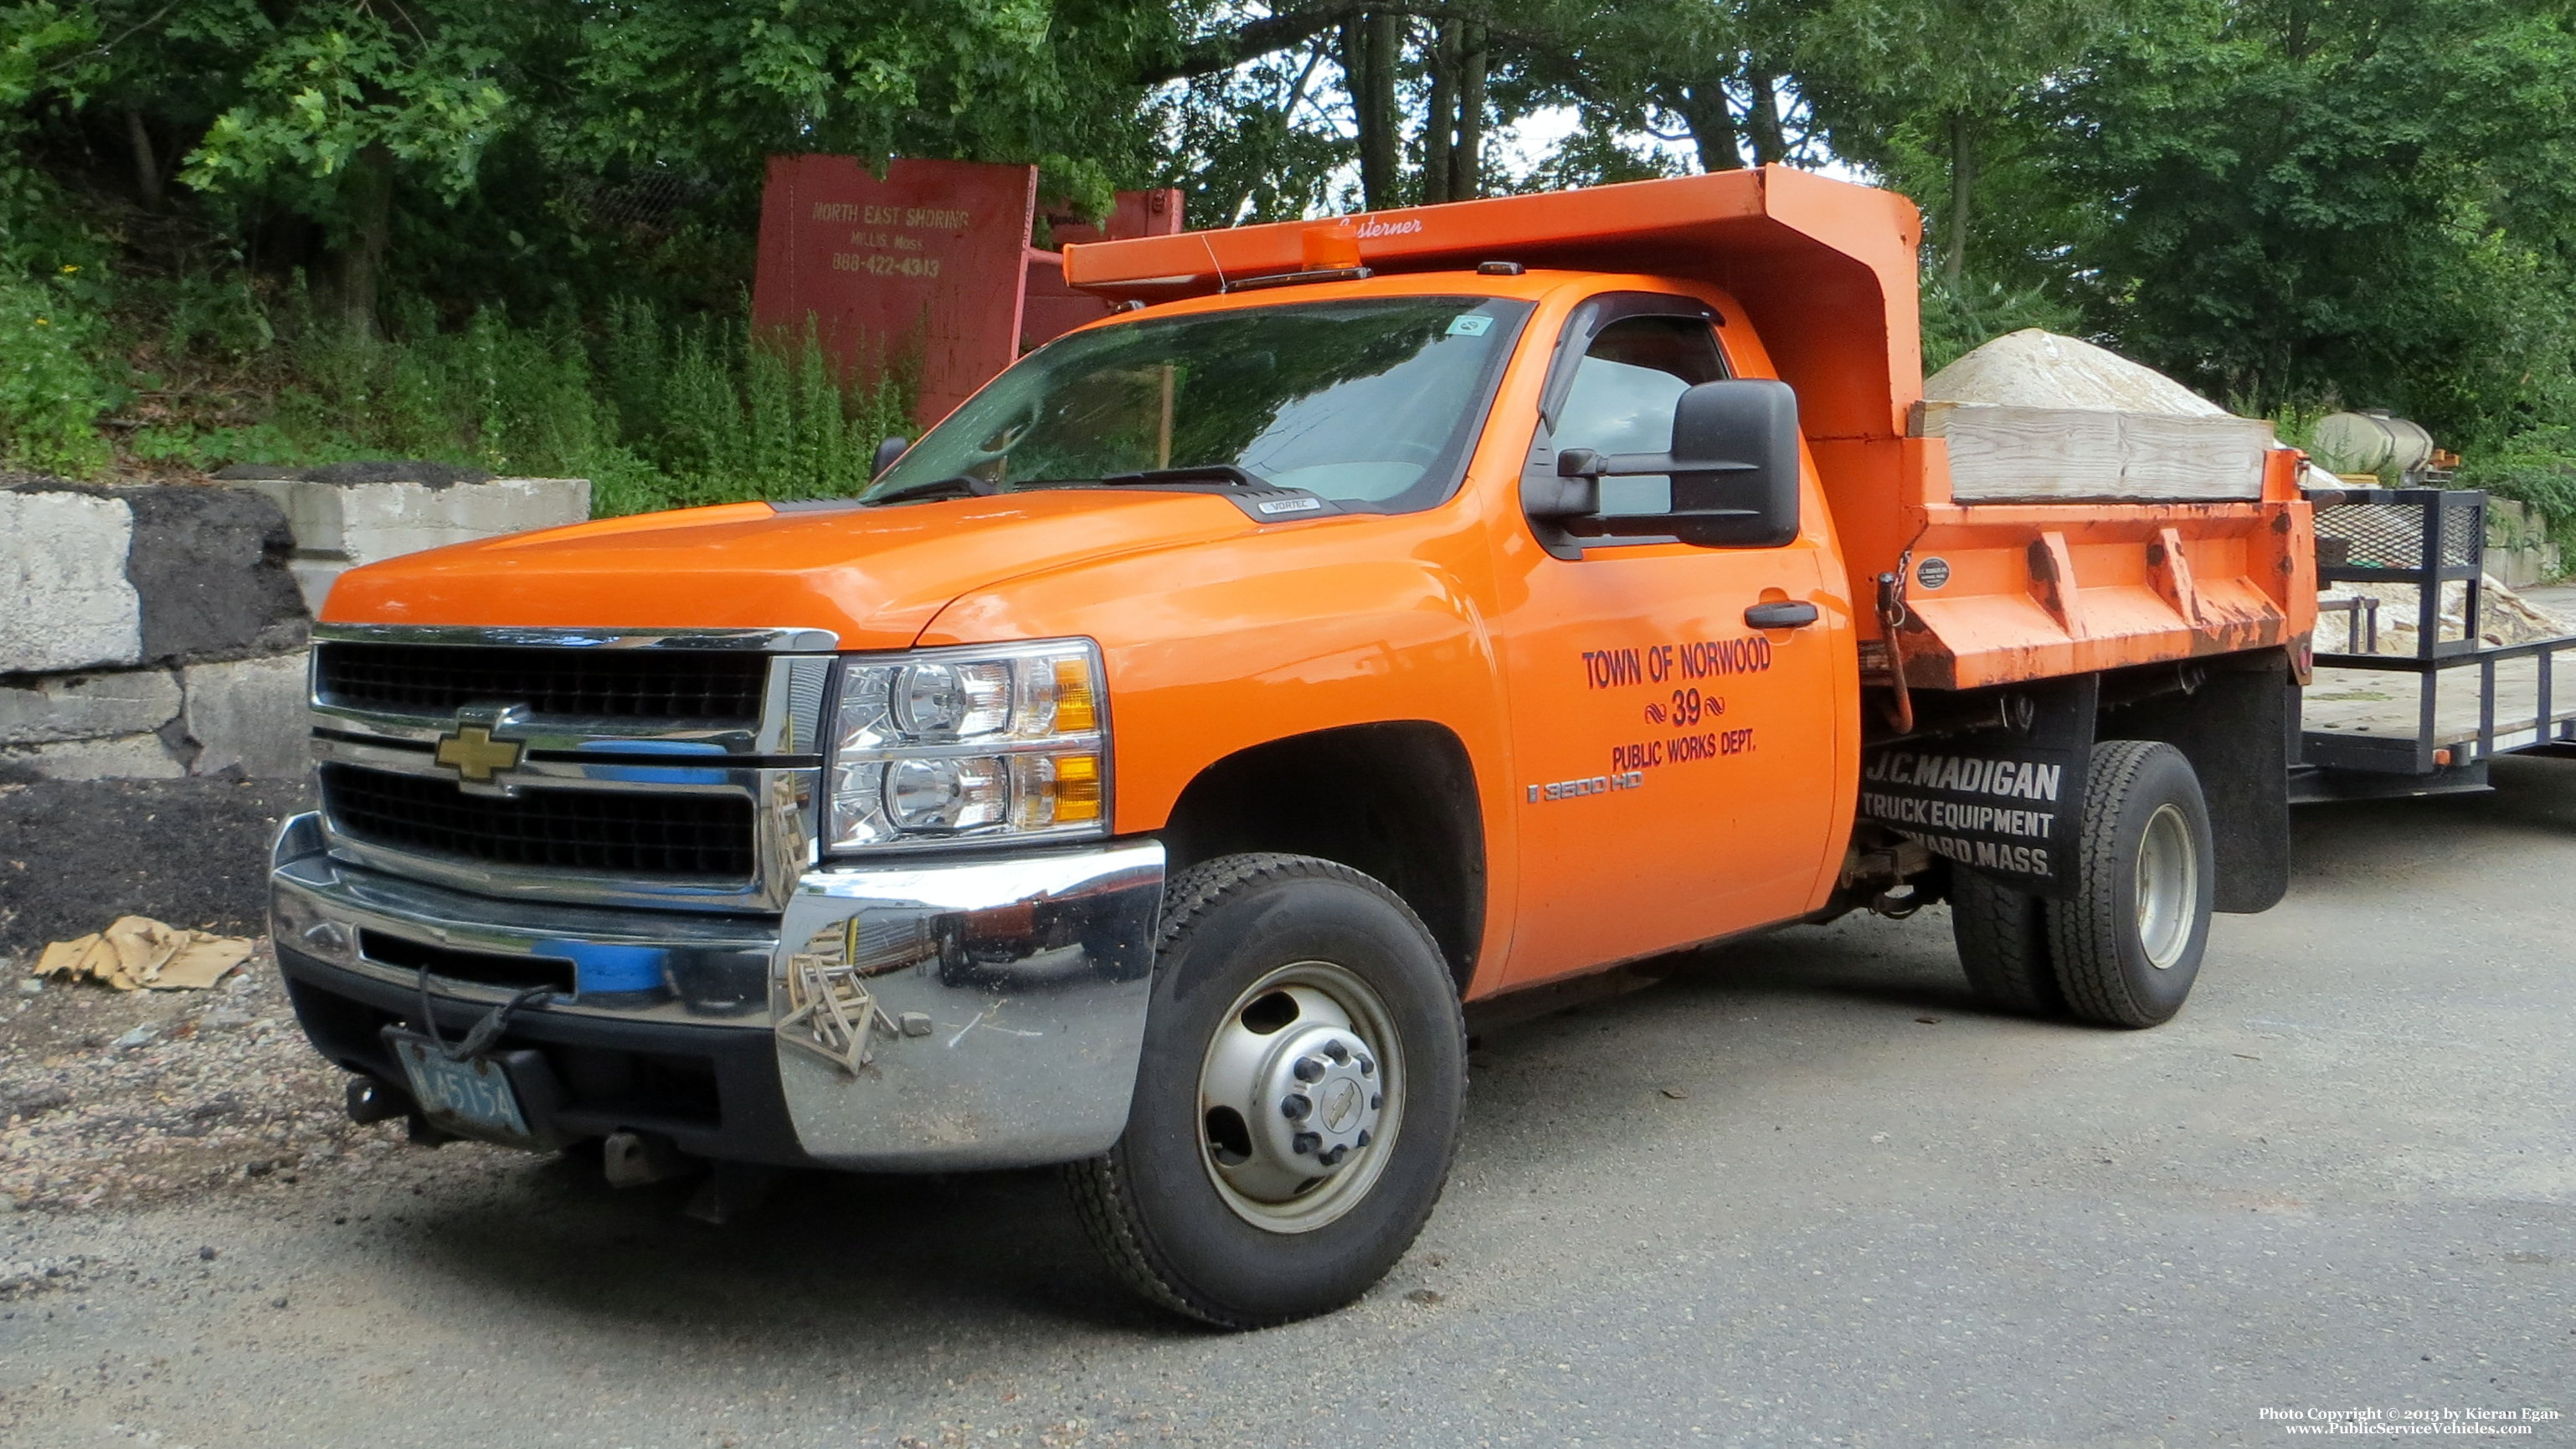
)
(474, 755)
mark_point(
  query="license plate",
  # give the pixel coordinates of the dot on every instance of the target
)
(469, 1096)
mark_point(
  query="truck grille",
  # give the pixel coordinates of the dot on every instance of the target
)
(693, 685)
(596, 832)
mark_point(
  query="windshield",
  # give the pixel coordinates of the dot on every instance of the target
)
(1372, 404)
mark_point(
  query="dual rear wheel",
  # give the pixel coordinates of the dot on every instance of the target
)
(2125, 949)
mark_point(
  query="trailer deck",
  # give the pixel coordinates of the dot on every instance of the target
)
(2499, 712)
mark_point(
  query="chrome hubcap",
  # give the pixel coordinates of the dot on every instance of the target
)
(2168, 887)
(1299, 1095)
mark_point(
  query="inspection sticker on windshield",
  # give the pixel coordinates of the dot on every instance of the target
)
(1470, 325)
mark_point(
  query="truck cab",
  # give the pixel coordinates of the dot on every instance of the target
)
(1374, 617)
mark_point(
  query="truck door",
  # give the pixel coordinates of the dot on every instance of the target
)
(1675, 766)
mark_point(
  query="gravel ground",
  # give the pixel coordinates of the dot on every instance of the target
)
(113, 1099)
(1804, 1192)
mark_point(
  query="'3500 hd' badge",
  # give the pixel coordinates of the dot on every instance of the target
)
(1595, 785)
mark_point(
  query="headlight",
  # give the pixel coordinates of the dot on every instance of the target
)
(969, 744)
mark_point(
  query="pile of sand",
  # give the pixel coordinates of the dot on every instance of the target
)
(2036, 369)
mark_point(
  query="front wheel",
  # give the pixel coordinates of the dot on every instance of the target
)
(1298, 1100)
(2128, 945)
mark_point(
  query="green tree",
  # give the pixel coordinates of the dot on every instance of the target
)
(1715, 74)
(372, 124)
(335, 97)
(1259, 142)
(2369, 203)
(1925, 90)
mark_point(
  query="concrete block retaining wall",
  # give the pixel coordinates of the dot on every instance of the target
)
(349, 514)
(2519, 551)
(159, 632)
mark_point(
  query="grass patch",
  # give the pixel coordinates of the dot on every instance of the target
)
(657, 411)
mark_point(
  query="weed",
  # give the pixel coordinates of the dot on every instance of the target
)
(657, 413)
(2538, 468)
(51, 393)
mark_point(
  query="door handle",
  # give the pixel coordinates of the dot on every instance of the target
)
(1783, 614)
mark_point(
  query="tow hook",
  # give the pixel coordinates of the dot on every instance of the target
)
(372, 1100)
(727, 1191)
(638, 1159)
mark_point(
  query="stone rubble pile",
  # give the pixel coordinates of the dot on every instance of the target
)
(2504, 616)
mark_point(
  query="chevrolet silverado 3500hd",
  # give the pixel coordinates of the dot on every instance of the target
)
(1374, 616)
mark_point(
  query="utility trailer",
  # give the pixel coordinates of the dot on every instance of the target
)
(2377, 724)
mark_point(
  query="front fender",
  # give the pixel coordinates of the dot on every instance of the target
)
(1215, 647)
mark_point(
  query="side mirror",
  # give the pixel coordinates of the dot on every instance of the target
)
(887, 453)
(1734, 470)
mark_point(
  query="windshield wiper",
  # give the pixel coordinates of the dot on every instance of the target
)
(961, 486)
(1224, 473)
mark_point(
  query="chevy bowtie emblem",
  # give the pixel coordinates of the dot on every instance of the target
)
(473, 754)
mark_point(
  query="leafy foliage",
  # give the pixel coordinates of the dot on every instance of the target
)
(324, 213)
(51, 395)
(2538, 468)
(1255, 142)
(329, 86)
(718, 413)
(311, 226)
(37, 42)
(658, 413)
(1960, 317)
(2373, 202)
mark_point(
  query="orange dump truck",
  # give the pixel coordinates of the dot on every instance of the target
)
(1372, 617)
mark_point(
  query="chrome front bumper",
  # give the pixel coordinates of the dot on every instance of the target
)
(923, 1016)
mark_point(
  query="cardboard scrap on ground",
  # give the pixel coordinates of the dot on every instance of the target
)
(138, 951)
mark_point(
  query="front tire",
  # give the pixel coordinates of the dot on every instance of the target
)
(1298, 1101)
(2128, 945)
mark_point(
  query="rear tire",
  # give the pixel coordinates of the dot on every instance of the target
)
(2002, 935)
(2128, 945)
(1298, 1101)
